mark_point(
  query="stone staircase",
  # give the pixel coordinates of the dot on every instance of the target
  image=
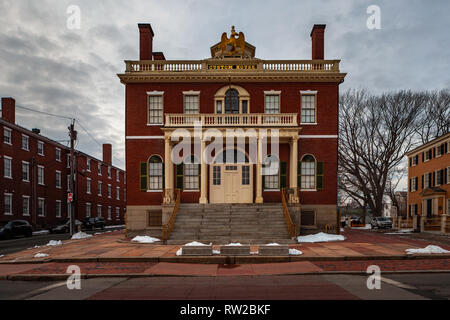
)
(224, 223)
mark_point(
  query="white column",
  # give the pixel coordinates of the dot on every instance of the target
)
(204, 175)
(259, 186)
(293, 198)
(168, 171)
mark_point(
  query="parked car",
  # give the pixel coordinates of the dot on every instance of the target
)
(94, 223)
(16, 228)
(381, 223)
(65, 227)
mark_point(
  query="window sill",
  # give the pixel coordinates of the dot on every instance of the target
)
(154, 191)
(271, 190)
(9, 144)
(185, 190)
(308, 190)
(155, 124)
(28, 181)
(7, 214)
(308, 123)
(28, 150)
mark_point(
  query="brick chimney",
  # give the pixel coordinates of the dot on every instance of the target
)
(107, 153)
(146, 41)
(158, 56)
(318, 46)
(9, 109)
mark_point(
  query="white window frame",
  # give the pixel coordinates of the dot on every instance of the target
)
(9, 135)
(10, 196)
(109, 172)
(88, 164)
(314, 175)
(27, 213)
(272, 93)
(117, 193)
(117, 213)
(58, 213)
(109, 213)
(99, 168)
(41, 200)
(88, 212)
(426, 158)
(425, 185)
(58, 173)
(99, 188)
(117, 175)
(414, 185)
(58, 152)
(68, 161)
(40, 143)
(41, 182)
(5, 159)
(99, 211)
(27, 164)
(313, 94)
(68, 182)
(88, 185)
(109, 191)
(187, 94)
(27, 138)
(154, 94)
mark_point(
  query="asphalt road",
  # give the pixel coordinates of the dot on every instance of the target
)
(19, 244)
(418, 286)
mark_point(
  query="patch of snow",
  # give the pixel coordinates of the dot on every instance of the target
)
(2, 255)
(98, 233)
(36, 233)
(180, 252)
(342, 230)
(429, 249)
(114, 227)
(272, 244)
(233, 245)
(216, 251)
(81, 235)
(254, 252)
(196, 244)
(295, 252)
(145, 239)
(320, 237)
(35, 247)
(40, 255)
(54, 243)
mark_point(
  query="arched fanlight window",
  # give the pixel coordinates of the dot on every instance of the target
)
(308, 173)
(155, 173)
(232, 101)
(192, 173)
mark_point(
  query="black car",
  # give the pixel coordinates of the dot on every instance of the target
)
(65, 227)
(94, 223)
(381, 222)
(16, 228)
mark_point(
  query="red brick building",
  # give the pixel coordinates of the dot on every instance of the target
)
(294, 99)
(34, 175)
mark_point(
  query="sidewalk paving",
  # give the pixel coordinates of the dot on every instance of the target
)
(108, 254)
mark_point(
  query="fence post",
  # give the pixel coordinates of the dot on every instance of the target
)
(349, 221)
(443, 223)
(422, 224)
(415, 226)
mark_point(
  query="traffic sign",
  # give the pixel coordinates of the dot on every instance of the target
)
(69, 197)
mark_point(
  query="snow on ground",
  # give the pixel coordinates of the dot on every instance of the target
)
(320, 237)
(145, 239)
(2, 255)
(216, 251)
(295, 252)
(272, 244)
(255, 252)
(429, 249)
(36, 233)
(81, 235)
(197, 244)
(180, 252)
(54, 243)
(40, 255)
(35, 247)
(233, 245)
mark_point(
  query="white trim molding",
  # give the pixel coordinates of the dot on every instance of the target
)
(145, 137)
(272, 92)
(155, 93)
(194, 93)
(308, 91)
(318, 136)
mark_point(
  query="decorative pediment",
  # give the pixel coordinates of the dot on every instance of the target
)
(233, 47)
(432, 191)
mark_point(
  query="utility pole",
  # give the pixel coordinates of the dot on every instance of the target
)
(73, 137)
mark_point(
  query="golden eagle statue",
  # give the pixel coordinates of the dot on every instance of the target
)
(235, 45)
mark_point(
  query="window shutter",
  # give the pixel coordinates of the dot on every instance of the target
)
(434, 152)
(410, 162)
(163, 176)
(200, 175)
(417, 159)
(445, 147)
(423, 156)
(445, 177)
(180, 176)
(319, 177)
(143, 175)
(417, 183)
(410, 185)
(299, 174)
(434, 179)
(422, 181)
(283, 175)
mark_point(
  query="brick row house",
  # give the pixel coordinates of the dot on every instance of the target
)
(429, 178)
(232, 90)
(35, 173)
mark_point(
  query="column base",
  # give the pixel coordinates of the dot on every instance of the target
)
(203, 201)
(259, 200)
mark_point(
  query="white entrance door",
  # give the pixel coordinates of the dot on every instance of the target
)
(231, 183)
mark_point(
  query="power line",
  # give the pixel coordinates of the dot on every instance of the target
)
(43, 112)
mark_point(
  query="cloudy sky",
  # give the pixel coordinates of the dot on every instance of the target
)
(46, 66)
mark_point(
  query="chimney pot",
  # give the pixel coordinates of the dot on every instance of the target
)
(146, 41)
(107, 153)
(9, 110)
(317, 37)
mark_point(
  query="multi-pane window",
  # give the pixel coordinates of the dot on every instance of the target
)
(7, 169)
(232, 101)
(272, 177)
(428, 155)
(25, 171)
(109, 172)
(244, 106)
(414, 182)
(41, 175)
(448, 176)
(155, 172)
(25, 142)
(58, 179)
(7, 210)
(117, 175)
(88, 186)
(88, 210)
(192, 175)
(26, 205)
(427, 180)
(109, 213)
(68, 160)
(99, 169)
(99, 210)
(308, 108)
(117, 212)
(308, 173)
(68, 182)
(439, 177)
(191, 104)
(117, 193)
(272, 103)
(41, 207)
(99, 188)
(58, 208)
(40, 148)
(219, 107)
(109, 191)
(245, 175)
(155, 109)
(58, 154)
(7, 136)
(88, 164)
(217, 176)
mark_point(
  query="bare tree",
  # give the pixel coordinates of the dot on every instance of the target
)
(375, 132)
